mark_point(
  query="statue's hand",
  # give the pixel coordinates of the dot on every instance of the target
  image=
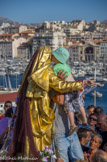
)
(62, 75)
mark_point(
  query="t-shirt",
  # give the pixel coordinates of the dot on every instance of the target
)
(61, 123)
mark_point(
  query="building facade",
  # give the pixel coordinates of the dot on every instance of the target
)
(53, 39)
(5, 49)
(87, 52)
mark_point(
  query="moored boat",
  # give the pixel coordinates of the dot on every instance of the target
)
(97, 94)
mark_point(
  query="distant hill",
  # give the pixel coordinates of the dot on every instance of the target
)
(104, 22)
(6, 20)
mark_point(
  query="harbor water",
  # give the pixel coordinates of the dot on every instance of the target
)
(100, 101)
(89, 99)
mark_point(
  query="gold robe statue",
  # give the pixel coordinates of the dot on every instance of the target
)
(40, 81)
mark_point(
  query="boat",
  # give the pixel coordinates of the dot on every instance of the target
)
(6, 88)
(7, 91)
(97, 94)
(100, 85)
(99, 79)
(105, 79)
(2, 73)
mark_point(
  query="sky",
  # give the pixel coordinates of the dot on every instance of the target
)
(38, 11)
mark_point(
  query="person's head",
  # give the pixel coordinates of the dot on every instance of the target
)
(92, 120)
(102, 122)
(90, 109)
(99, 156)
(7, 105)
(9, 113)
(79, 119)
(60, 55)
(98, 110)
(83, 135)
(96, 141)
(55, 60)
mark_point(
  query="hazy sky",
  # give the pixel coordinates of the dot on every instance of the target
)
(37, 11)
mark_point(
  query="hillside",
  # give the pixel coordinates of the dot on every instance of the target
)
(104, 22)
(6, 20)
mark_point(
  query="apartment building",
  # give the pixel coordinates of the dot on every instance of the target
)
(23, 51)
(9, 45)
(12, 29)
(17, 41)
(22, 28)
(103, 46)
(6, 36)
(5, 48)
(103, 50)
(53, 39)
(78, 24)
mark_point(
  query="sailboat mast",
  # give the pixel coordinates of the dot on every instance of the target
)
(16, 81)
(95, 89)
(9, 82)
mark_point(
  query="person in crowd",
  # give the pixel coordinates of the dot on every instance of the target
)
(98, 111)
(90, 110)
(65, 146)
(4, 123)
(99, 156)
(95, 143)
(7, 105)
(92, 121)
(84, 138)
(70, 100)
(102, 125)
(35, 116)
(78, 119)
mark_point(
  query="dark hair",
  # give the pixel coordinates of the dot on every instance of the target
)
(76, 113)
(82, 132)
(90, 106)
(78, 117)
(93, 114)
(9, 113)
(7, 102)
(98, 110)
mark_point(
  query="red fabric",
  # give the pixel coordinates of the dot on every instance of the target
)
(1, 117)
(80, 81)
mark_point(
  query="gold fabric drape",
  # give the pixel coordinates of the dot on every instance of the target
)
(42, 78)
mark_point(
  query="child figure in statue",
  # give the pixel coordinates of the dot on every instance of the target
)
(70, 100)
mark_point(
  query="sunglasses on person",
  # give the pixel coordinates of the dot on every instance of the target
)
(91, 118)
(7, 106)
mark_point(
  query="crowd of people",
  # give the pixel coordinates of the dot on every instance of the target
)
(50, 113)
